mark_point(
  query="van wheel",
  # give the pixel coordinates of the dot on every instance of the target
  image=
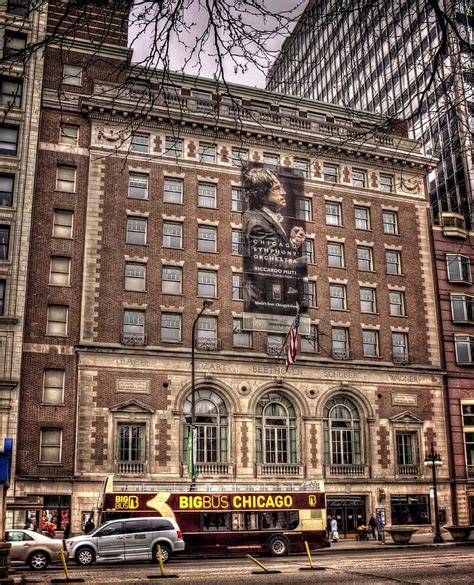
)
(278, 546)
(85, 556)
(38, 560)
(165, 553)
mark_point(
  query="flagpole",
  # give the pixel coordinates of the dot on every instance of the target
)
(298, 307)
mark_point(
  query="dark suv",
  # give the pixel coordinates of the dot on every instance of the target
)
(130, 539)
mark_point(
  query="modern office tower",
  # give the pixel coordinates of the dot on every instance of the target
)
(404, 60)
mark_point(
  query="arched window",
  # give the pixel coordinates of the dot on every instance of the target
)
(342, 434)
(211, 420)
(276, 429)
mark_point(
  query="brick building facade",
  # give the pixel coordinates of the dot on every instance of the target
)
(137, 219)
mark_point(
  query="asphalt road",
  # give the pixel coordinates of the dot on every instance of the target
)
(453, 565)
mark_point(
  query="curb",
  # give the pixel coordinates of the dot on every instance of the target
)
(390, 546)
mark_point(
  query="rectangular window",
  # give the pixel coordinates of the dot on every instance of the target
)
(174, 147)
(302, 164)
(397, 303)
(2, 297)
(172, 235)
(271, 159)
(66, 179)
(237, 287)
(468, 428)
(340, 342)
(131, 443)
(333, 213)
(240, 338)
(140, 142)
(400, 347)
(207, 152)
(170, 327)
(239, 156)
(359, 178)
(173, 191)
(464, 345)
(133, 327)
(393, 262)
(10, 92)
(237, 245)
(335, 255)
(207, 238)
(410, 509)
(138, 186)
(62, 224)
(308, 249)
(172, 280)
(330, 173)
(459, 268)
(309, 343)
(364, 259)
(237, 199)
(7, 184)
(386, 183)
(362, 218)
(15, 44)
(207, 283)
(367, 300)
(370, 341)
(57, 320)
(136, 230)
(60, 270)
(53, 387)
(207, 195)
(72, 75)
(4, 242)
(8, 140)
(303, 209)
(406, 449)
(337, 293)
(50, 446)
(275, 343)
(309, 291)
(18, 7)
(462, 308)
(207, 333)
(69, 134)
(135, 277)
(390, 222)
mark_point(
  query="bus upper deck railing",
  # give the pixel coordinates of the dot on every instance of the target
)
(316, 485)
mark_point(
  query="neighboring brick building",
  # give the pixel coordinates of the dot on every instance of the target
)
(137, 220)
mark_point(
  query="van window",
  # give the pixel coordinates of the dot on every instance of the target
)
(160, 524)
(110, 529)
(136, 526)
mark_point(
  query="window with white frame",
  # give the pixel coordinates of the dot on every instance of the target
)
(333, 213)
(4, 242)
(135, 276)
(174, 147)
(338, 297)
(370, 342)
(140, 142)
(72, 75)
(271, 159)
(207, 283)
(240, 337)
(59, 271)
(367, 300)
(275, 343)
(310, 343)
(172, 235)
(407, 449)
(10, 92)
(464, 345)
(237, 244)
(364, 259)
(69, 134)
(7, 185)
(133, 326)
(8, 140)
(302, 164)
(131, 443)
(173, 190)
(386, 183)
(362, 217)
(66, 179)
(303, 208)
(390, 222)
(459, 268)
(207, 195)
(340, 342)
(138, 186)
(462, 308)
(207, 332)
(276, 429)
(239, 156)
(170, 327)
(57, 318)
(359, 178)
(62, 224)
(172, 280)
(207, 238)
(207, 152)
(393, 262)
(331, 173)
(335, 255)
(53, 386)
(400, 346)
(14, 44)
(342, 432)
(308, 250)
(468, 429)
(237, 286)
(237, 199)
(396, 303)
(309, 292)
(136, 230)
(51, 446)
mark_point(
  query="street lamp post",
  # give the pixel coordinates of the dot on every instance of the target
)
(191, 445)
(433, 460)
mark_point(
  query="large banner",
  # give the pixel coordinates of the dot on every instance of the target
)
(275, 262)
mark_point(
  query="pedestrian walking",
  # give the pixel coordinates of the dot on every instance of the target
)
(334, 531)
(328, 528)
(372, 526)
(89, 525)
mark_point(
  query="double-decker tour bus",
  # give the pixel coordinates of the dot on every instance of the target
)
(254, 519)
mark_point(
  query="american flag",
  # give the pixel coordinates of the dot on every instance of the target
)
(292, 345)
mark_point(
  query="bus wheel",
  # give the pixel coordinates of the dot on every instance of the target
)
(165, 553)
(278, 546)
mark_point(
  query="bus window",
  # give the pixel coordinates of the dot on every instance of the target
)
(245, 521)
(215, 521)
(283, 520)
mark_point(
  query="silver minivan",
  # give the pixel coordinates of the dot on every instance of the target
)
(130, 539)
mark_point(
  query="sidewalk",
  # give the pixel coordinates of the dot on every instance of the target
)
(417, 541)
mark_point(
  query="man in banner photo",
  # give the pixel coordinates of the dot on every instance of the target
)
(274, 259)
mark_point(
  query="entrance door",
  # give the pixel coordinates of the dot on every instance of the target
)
(349, 513)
